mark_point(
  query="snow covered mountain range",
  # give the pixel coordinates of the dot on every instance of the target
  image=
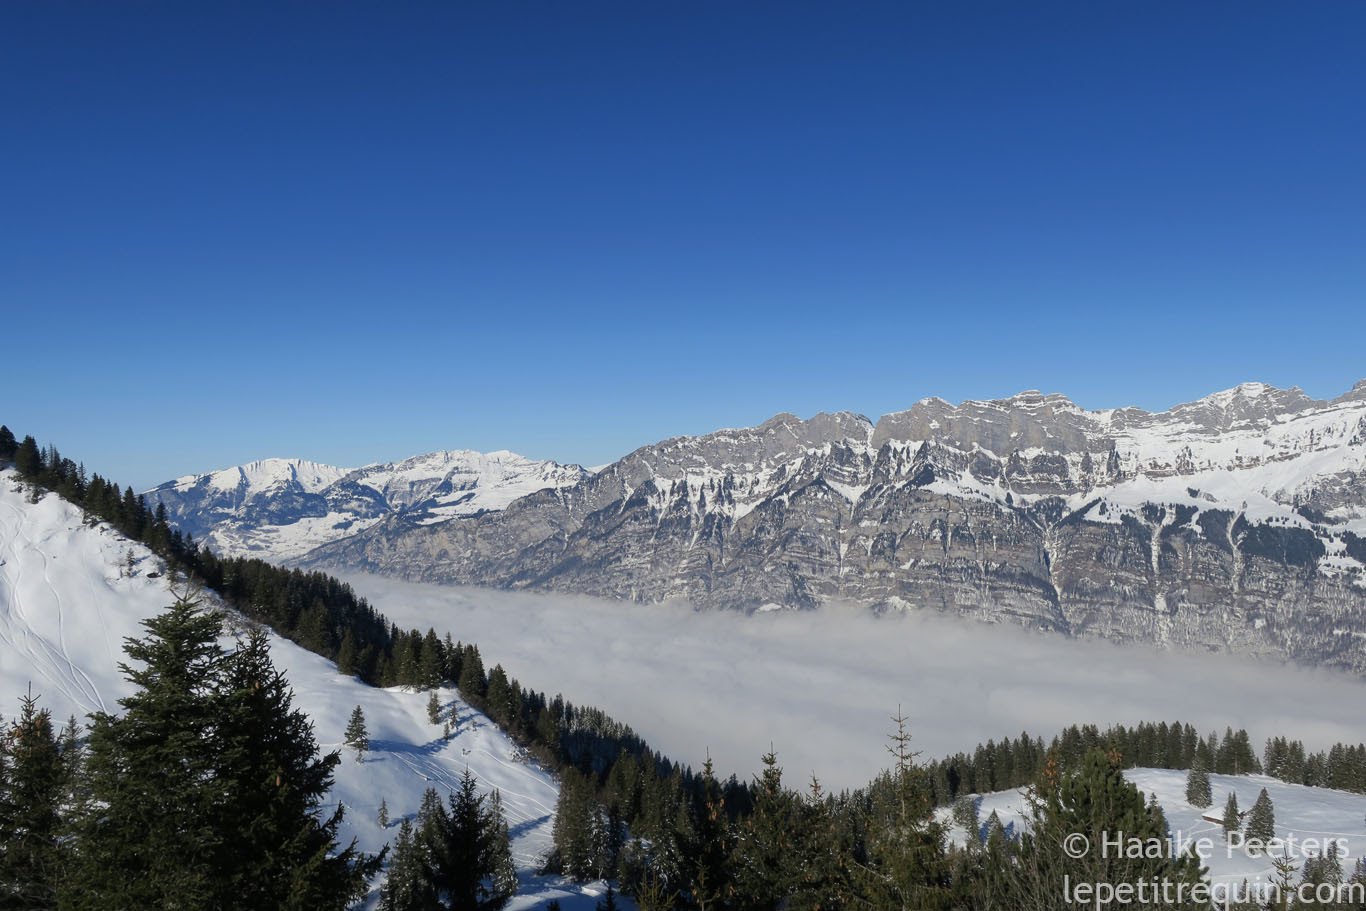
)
(1235, 523)
(282, 508)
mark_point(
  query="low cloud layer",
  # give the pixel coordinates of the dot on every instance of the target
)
(820, 685)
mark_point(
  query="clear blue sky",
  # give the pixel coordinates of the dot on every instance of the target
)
(360, 231)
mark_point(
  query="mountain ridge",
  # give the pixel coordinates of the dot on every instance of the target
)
(285, 507)
(1234, 522)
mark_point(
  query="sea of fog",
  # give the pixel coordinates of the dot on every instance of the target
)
(820, 686)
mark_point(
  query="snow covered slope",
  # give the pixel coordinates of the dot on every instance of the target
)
(282, 508)
(67, 603)
(1305, 817)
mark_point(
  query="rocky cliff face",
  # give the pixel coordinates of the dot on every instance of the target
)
(1236, 522)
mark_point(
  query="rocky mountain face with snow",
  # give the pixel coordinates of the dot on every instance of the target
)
(283, 508)
(1236, 522)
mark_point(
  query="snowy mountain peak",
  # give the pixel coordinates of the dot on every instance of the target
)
(264, 473)
(286, 507)
(1241, 391)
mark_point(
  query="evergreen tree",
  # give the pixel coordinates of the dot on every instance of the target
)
(28, 460)
(382, 817)
(609, 901)
(432, 664)
(356, 736)
(1198, 792)
(761, 861)
(480, 874)
(8, 446)
(906, 864)
(146, 840)
(1232, 822)
(1261, 823)
(576, 831)
(472, 680)
(965, 814)
(283, 852)
(1095, 802)
(1322, 868)
(823, 856)
(409, 886)
(434, 708)
(204, 793)
(37, 767)
(457, 858)
(1284, 882)
(710, 845)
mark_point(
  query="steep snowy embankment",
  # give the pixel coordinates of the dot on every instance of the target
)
(68, 599)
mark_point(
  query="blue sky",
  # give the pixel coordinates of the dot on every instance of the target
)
(353, 232)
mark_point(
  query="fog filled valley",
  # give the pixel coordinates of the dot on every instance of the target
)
(820, 686)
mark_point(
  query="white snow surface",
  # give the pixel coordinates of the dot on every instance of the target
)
(67, 603)
(263, 473)
(1306, 820)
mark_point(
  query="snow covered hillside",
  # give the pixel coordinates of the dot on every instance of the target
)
(1304, 816)
(67, 601)
(283, 508)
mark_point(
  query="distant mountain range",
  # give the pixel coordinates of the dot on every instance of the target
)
(284, 508)
(1235, 522)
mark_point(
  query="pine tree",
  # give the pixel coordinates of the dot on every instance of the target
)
(1232, 821)
(575, 849)
(434, 708)
(1261, 823)
(710, 845)
(761, 859)
(37, 768)
(457, 857)
(1198, 792)
(1094, 802)
(1284, 882)
(356, 736)
(145, 841)
(472, 681)
(823, 856)
(204, 793)
(474, 863)
(906, 863)
(609, 901)
(382, 817)
(432, 665)
(28, 460)
(279, 849)
(8, 446)
(409, 886)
